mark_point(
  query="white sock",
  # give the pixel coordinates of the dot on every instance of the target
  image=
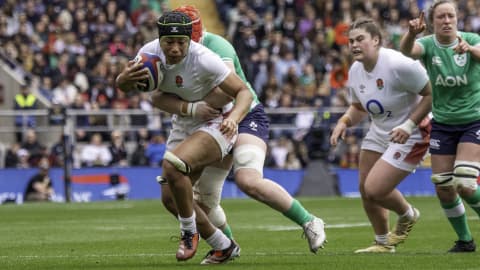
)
(410, 214)
(218, 240)
(381, 239)
(188, 224)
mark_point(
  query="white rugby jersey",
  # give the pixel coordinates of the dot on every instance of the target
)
(390, 92)
(195, 76)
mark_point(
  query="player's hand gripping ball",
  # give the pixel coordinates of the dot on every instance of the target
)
(155, 75)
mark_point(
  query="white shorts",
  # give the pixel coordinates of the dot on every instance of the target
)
(183, 127)
(406, 156)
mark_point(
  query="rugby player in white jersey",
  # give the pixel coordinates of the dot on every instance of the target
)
(248, 153)
(394, 91)
(191, 72)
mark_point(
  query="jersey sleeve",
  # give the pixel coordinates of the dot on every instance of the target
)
(352, 97)
(213, 70)
(423, 43)
(410, 74)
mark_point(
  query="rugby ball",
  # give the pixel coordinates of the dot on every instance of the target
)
(152, 63)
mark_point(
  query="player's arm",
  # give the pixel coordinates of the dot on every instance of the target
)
(354, 114)
(408, 46)
(401, 133)
(235, 87)
(465, 47)
(208, 109)
(131, 76)
(201, 110)
(424, 106)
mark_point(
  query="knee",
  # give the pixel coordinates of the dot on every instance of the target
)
(171, 174)
(370, 193)
(217, 216)
(174, 165)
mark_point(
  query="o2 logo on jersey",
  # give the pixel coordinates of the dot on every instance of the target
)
(375, 108)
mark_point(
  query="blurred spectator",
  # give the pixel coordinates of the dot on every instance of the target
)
(95, 154)
(65, 93)
(137, 120)
(35, 149)
(39, 188)
(11, 157)
(23, 157)
(117, 149)
(279, 151)
(139, 157)
(57, 155)
(156, 149)
(292, 162)
(24, 101)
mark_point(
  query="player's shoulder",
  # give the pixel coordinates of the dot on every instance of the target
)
(395, 59)
(198, 49)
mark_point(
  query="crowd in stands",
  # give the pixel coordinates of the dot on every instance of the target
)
(294, 53)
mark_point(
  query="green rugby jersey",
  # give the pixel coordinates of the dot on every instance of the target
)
(455, 80)
(225, 50)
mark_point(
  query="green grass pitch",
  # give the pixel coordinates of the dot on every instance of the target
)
(137, 235)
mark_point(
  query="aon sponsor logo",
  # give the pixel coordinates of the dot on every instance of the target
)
(451, 81)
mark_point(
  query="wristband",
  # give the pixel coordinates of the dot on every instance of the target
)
(407, 126)
(192, 108)
(346, 120)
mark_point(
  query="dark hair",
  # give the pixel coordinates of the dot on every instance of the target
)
(432, 8)
(369, 26)
(174, 23)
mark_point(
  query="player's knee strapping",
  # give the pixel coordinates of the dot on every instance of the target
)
(443, 179)
(217, 216)
(208, 188)
(179, 164)
(465, 174)
(248, 156)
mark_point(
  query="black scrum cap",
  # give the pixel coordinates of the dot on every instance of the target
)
(174, 23)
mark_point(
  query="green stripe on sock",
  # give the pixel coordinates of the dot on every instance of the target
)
(298, 214)
(228, 231)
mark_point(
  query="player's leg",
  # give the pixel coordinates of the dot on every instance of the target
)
(249, 156)
(207, 192)
(397, 162)
(443, 157)
(465, 175)
(380, 188)
(377, 215)
(212, 236)
(195, 152)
